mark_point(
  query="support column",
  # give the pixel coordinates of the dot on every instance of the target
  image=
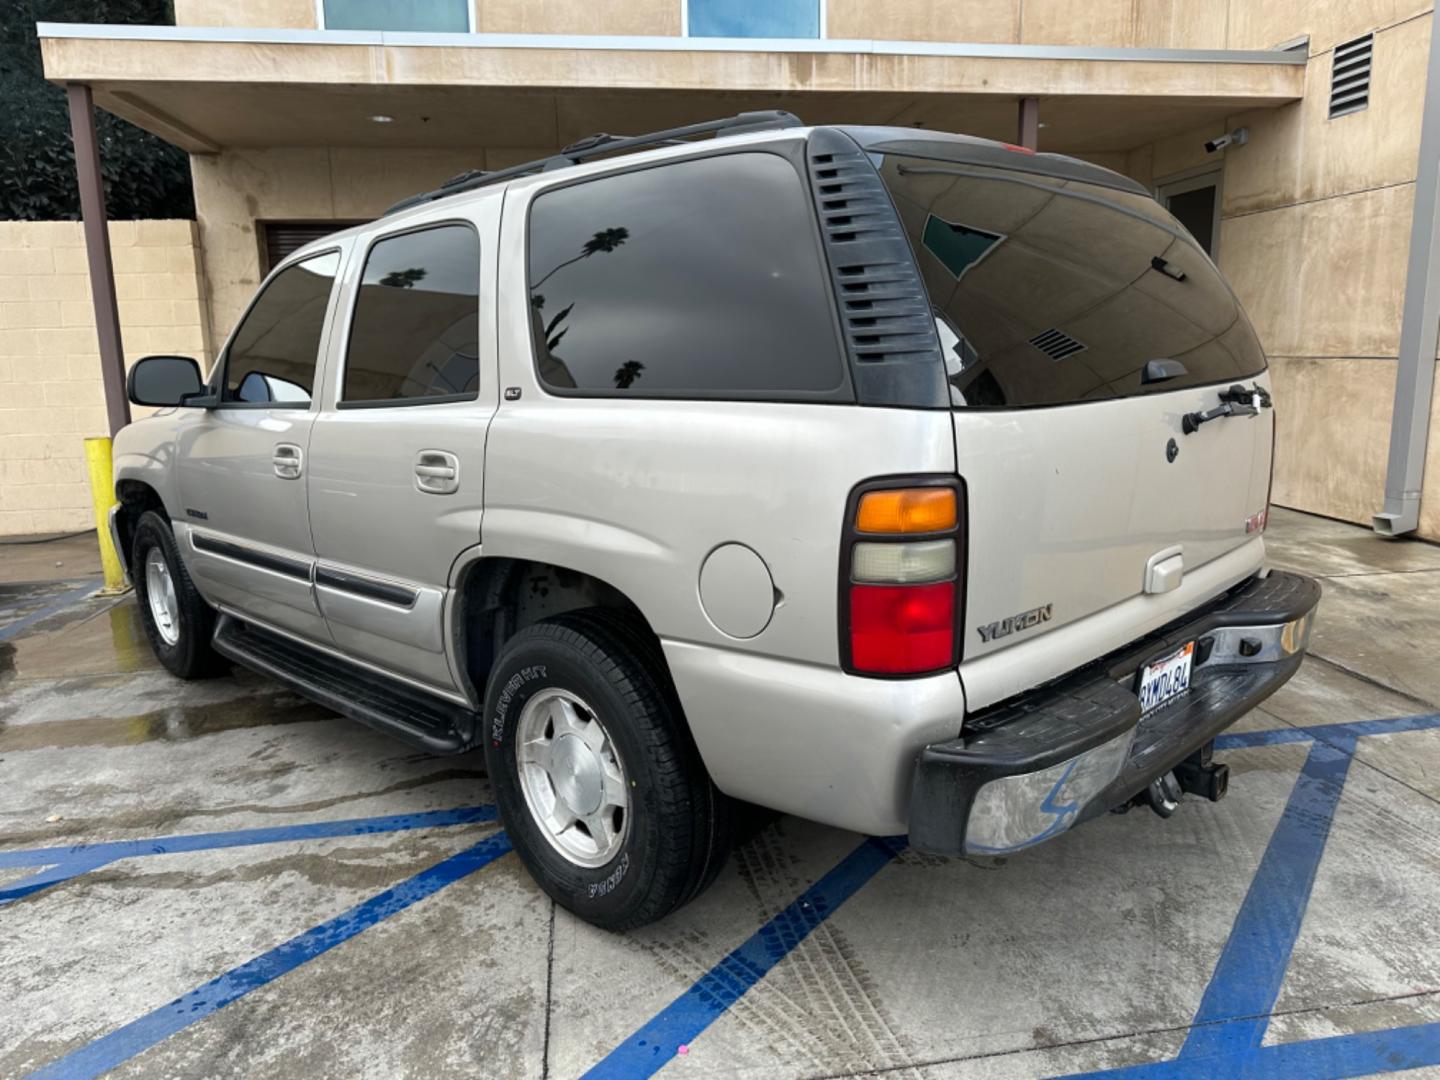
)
(1029, 135)
(1419, 325)
(97, 249)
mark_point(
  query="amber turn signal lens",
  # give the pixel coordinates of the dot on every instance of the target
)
(909, 510)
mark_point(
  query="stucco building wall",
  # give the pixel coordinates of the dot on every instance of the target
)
(51, 397)
(1315, 233)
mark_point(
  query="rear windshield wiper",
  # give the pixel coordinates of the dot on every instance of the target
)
(1236, 401)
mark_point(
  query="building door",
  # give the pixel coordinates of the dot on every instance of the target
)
(1195, 202)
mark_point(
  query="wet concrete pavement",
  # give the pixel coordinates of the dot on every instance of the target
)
(318, 900)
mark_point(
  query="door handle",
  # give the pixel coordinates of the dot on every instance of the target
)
(289, 461)
(437, 472)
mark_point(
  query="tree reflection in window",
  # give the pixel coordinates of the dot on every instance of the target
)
(701, 277)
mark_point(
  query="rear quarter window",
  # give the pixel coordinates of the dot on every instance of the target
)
(701, 278)
(1050, 291)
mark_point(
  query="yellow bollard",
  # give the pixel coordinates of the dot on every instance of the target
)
(102, 497)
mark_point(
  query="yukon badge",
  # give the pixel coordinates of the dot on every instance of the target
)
(1014, 623)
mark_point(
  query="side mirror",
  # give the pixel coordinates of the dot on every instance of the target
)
(164, 380)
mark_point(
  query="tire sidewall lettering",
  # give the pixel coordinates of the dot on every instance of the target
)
(508, 694)
(611, 881)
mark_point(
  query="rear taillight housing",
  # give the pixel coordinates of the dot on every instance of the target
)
(901, 569)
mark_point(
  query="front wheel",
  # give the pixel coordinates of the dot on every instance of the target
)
(598, 781)
(177, 620)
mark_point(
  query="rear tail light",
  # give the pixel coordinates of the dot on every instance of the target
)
(900, 580)
(902, 629)
(928, 560)
(906, 510)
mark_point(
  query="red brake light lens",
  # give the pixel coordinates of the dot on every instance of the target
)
(902, 629)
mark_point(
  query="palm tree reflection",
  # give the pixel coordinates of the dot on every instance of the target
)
(553, 368)
(627, 373)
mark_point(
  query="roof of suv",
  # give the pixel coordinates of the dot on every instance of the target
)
(943, 146)
(755, 127)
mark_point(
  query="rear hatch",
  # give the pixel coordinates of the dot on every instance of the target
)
(1053, 294)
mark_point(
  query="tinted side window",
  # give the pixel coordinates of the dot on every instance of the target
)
(701, 278)
(416, 332)
(272, 358)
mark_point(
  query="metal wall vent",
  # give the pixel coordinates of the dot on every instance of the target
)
(284, 237)
(1350, 76)
(1056, 345)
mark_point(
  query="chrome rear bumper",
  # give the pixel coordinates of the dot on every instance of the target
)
(1034, 767)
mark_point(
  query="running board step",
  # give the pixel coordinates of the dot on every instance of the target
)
(421, 719)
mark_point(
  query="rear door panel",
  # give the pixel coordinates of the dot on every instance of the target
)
(385, 545)
(1068, 505)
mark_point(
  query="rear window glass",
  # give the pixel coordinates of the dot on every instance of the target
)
(416, 331)
(702, 278)
(1050, 291)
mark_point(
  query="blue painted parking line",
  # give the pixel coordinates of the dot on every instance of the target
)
(1231, 1020)
(63, 863)
(654, 1044)
(1336, 734)
(1334, 1057)
(43, 879)
(124, 1043)
(1247, 978)
(59, 604)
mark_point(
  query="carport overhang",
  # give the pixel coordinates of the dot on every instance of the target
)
(206, 89)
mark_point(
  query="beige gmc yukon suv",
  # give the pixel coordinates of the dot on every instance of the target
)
(907, 482)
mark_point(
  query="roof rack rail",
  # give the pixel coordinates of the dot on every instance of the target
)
(596, 145)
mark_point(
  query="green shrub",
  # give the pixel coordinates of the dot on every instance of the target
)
(145, 177)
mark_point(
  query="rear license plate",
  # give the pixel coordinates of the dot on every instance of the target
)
(1165, 679)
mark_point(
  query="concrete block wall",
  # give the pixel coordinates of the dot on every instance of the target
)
(51, 396)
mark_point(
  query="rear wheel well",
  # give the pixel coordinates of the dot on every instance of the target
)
(502, 596)
(136, 497)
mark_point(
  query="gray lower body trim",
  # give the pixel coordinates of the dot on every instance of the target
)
(368, 587)
(280, 564)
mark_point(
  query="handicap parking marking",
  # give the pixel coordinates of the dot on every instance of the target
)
(1234, 1012)
(124, 1043)
(61, 864)
(1226, 1032)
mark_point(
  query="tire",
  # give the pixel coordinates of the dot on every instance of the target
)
(189, 655)
(675, 829)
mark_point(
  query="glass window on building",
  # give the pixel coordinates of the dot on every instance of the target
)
(451, 16)
(754, 18)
